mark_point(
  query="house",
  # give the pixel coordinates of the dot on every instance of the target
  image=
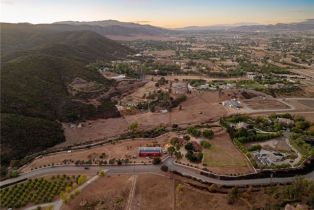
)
(286, 122)
(241, 125)
(150, 151)
(179, 88)
(233, 103)
(251, 75)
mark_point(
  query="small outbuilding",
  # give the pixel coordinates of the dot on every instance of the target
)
(150, 151)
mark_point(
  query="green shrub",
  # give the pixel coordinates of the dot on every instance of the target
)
(206, 144)
(208, 134)
(194, 131)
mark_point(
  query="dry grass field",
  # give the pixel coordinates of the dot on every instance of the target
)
(162, 192)
(199, 107)
(153, 192)
(224, 158)
(93, 130)
(105, 193)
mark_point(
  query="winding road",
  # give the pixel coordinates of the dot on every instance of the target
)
(135, 169)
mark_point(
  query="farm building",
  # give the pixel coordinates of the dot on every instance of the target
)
(150, 151)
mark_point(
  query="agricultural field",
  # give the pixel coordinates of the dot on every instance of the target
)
(38, 190)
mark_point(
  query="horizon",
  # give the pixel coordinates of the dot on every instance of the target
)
(212, 25)
(158, 13)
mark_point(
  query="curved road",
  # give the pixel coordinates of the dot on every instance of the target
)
(152, 169)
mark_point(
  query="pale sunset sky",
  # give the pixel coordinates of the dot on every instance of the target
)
(165, 13)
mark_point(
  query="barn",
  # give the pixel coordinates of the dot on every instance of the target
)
(150, 151)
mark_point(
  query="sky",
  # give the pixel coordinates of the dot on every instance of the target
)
(164, 13)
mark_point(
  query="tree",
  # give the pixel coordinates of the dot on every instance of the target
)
(208, 134)
(101, 173)
(156, 161)
(206, 144)
(171, 150)
(186, 137)
(194, 132)
(233, 195)
(174, 141)
(189, 146)
(178, 155)
(14, 174)
(133, 127)
(81, 179)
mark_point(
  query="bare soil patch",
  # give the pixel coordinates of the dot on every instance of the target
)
(264, 103)
(278, 144)
(191, 198)
(301, 104)
(105, 193)
(199, 107)
(153, 192)
(93, 130)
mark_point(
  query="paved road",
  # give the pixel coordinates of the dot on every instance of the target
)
(77, 169)
(131, 169)
(193, 173)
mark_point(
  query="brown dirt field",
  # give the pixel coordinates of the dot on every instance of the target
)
(121, 150)
(153, 192)
(93, 130)
(301, 105)
(278, 144)
(307, 116)
(161, 192)
(199, 107)
(191, 198)
(260, 103)
(105, 193)
(137, 95)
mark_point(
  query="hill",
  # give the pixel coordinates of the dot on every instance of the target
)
(39, 67)
(22, 136)
(111, 29)
(114, 28)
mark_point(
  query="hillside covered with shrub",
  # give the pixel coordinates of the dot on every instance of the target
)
(38, 68)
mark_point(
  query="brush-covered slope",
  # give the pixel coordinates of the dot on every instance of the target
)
(37, 70)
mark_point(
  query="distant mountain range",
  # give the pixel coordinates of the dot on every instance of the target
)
(112, 28)
(117, 30)
(252, 27)
(215, 27)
